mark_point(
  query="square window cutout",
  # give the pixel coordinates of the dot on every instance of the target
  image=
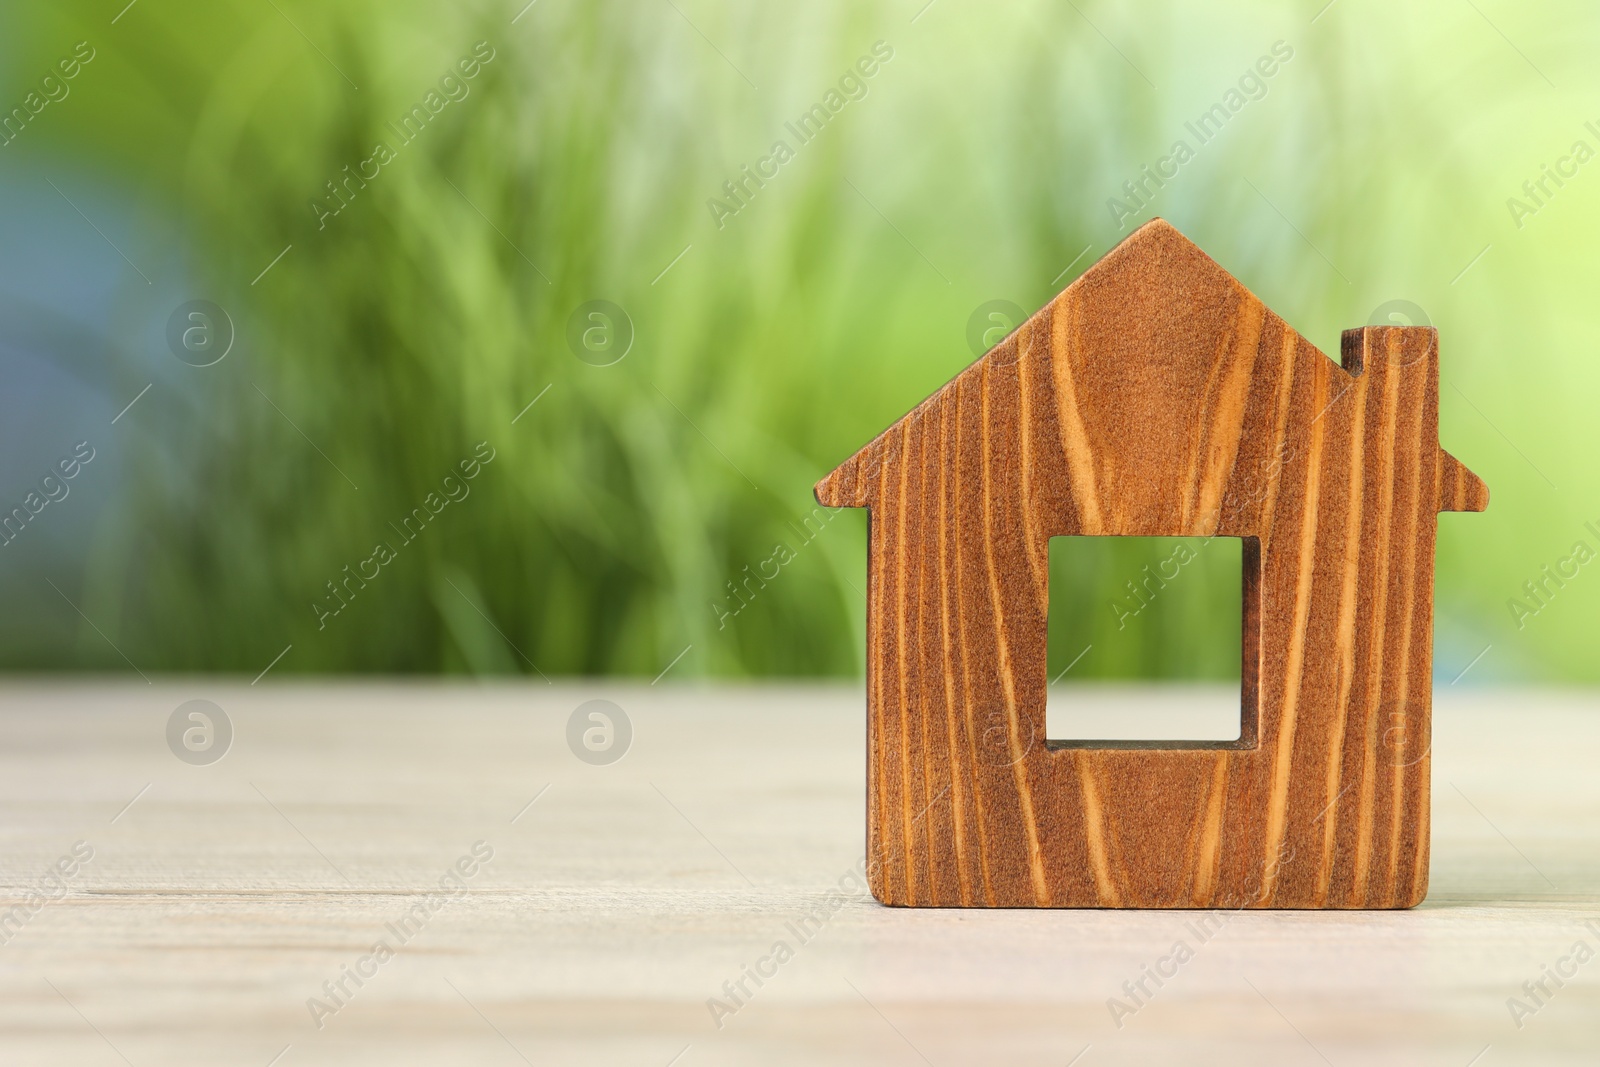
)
(1146, 642)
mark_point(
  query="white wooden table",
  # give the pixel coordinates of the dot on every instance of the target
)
(221, 900)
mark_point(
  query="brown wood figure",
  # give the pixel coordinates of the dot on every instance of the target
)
(1155, 396)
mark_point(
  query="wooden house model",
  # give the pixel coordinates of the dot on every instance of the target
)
(1155, 396)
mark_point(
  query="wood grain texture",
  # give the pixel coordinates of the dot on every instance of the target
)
(1155, 396)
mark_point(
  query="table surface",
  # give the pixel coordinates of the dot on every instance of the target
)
(224, 903)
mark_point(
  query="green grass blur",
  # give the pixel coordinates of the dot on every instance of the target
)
(768, 344)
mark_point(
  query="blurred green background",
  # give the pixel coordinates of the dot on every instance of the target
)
(372, 350)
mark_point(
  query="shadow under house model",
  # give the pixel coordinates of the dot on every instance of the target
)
(1155, 396)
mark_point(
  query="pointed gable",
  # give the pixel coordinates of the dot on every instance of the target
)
(1153, 358)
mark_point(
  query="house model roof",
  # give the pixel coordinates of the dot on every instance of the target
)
(1155, 366)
